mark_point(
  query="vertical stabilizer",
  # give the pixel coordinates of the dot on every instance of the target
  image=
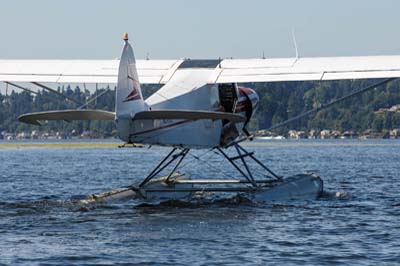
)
(129, 98)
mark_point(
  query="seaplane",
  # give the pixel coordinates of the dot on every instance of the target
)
(199, 106)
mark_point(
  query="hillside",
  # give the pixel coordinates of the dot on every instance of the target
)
(278, 102)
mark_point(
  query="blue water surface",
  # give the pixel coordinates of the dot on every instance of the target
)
(355, 223)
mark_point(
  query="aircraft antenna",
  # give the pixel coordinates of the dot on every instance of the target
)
(295, 44)
(263, 55)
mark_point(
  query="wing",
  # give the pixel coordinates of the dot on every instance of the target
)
(83, 71)
(226, 71)
(302, 69)
(68, 115)
(189, 114)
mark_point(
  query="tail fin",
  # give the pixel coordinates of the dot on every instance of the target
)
(129, 98)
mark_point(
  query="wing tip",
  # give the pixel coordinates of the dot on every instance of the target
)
(25, 118)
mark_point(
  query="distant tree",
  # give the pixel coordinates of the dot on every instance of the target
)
(278, 102)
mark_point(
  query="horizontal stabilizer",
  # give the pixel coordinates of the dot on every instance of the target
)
(67, 115)
(190, 115)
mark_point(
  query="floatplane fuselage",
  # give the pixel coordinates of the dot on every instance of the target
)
(199, 106)
(188, 95)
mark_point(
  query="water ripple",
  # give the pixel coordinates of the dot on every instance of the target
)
(354, 223)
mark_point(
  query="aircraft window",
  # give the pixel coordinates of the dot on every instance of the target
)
(214, 97)
(199, 63)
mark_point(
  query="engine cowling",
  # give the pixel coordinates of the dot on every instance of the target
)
(248, 101)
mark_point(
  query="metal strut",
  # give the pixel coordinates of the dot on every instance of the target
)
(164, 163)
(182, 155)
(56, 92)
(251, 154)
(232, 161)
(242, 154)
(242, 157)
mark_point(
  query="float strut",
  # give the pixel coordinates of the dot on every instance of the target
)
(259, 162)
(163, 164)
(245, 164)
(237, 167)
(183, 155)
(159, 168)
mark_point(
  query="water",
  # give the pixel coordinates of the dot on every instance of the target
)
(40, 226)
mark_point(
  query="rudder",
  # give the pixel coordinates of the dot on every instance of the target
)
(129, 98)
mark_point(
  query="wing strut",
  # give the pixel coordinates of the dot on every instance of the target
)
(57, 92)
(315, 110)
(331, 103)
(93, 99)
(20, 87)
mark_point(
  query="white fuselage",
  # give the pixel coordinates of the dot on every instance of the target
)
(188, 90)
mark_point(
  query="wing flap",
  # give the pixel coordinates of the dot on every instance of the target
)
(67, 115)
(189, 115)
(361, 75)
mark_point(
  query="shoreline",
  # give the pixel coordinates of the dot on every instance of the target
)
(60, 144)
(100, 143)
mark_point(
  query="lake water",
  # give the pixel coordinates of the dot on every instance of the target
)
(360, 225)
